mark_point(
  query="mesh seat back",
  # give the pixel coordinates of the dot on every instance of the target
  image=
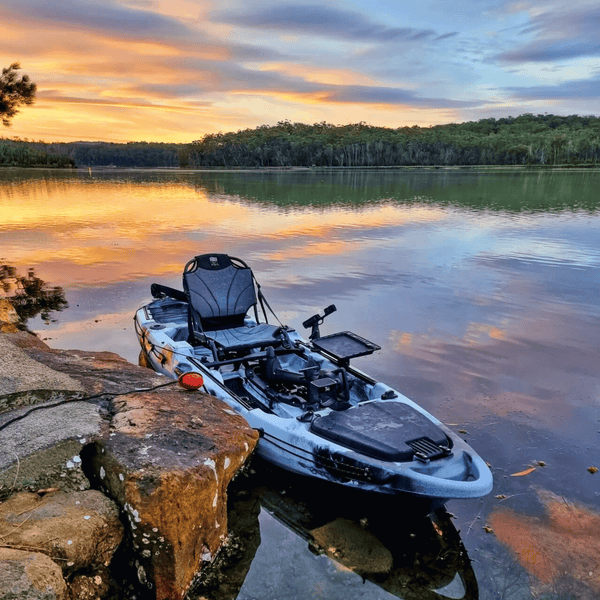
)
(219, 292)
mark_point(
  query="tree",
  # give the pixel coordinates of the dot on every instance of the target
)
(15, 91)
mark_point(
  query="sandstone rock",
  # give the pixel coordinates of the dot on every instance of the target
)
(9, 319)
(353, 547)
(30, 576)
(78, 530)
(89, 587)
(24, 381)
(223, 579)
(96, 372)
(41, 449)
(167, 463)
(26, 340)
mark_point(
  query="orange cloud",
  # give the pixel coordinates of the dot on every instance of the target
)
(319, 74)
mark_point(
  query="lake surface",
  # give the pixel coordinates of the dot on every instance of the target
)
(481, 287)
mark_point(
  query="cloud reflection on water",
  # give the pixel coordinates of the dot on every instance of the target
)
(104, 232)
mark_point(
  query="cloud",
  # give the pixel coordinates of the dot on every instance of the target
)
(107, 17)
(560, 34)
(390, 95)
(568, 90)
(100, 23)
(324, 21)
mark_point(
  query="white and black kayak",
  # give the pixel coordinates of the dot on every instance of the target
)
(317, 414)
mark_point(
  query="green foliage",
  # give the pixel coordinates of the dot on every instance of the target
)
(15, 91)
(107, 154)
(524, 140)
(23, 154)
(131, 154)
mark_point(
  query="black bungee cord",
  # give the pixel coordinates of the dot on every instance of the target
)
(83, 399)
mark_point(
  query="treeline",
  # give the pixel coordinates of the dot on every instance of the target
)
(130, 154)
(93, 154)
(524, 140)
(22, 154)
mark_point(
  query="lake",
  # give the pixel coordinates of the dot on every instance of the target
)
(482, 288)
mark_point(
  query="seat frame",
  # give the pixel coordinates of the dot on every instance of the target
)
(220, 290)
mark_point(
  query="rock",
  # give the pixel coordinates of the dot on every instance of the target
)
(78, 530)
(167, 463)
(223, 579)
(90, 587)
(353, 547)
(9, 319)
(24, 381)
(30, 576)
(96, 372)
(26, 340)
(42, 424)
(41, 449)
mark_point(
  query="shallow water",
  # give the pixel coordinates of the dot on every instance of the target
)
(482, 288)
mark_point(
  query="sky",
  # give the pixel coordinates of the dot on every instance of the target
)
(175, 70)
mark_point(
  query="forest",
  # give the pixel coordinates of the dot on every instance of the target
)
(14, 152)
(23, 154)
(524, 140)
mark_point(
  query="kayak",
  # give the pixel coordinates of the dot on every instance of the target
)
(317, 414)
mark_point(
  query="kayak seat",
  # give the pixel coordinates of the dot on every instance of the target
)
(220, 291)
(244, 337)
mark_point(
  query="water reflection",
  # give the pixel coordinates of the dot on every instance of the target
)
(494, 190)
(30, 295)
(482, 288)
(561, 549)
(373, 544)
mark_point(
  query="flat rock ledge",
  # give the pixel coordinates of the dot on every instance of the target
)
(130, 483)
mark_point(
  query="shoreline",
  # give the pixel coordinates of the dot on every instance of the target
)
(109, 169)
(94, 443)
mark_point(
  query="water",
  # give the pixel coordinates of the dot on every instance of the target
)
(482, 288)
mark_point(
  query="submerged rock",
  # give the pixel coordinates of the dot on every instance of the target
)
(353, 547)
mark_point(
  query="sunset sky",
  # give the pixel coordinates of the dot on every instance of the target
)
(174, 70)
